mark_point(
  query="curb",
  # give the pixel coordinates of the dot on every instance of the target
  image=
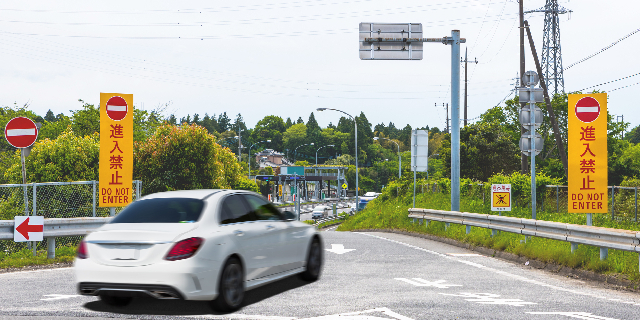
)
(613, 281)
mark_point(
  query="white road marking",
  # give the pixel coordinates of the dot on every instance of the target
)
(371, 314)
(34, 271)
(504, 273)
(424, 283)
(339, 249)
(59, 296)
(465, 255)
(578, 315)
(489, 298)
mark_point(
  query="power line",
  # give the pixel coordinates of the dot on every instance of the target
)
(633, 75)
(603, 49)
(624, 87)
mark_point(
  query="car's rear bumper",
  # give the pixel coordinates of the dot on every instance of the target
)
(170, 280)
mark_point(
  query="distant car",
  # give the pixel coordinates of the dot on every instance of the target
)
(320, 212)
(196, 245)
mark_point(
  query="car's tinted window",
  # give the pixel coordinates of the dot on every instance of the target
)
(263, 209)
(161, 210)
(235, 210)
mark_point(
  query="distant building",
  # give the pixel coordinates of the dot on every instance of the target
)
(271, 158)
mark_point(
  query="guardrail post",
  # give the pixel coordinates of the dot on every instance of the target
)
(426, 223)
(468, 229)
(414, 220)
(494, 233)
(574, 247)
(420, 222)
(51, 248)
(446, 226)
(589, 221)
(604, 252)
(112, 211)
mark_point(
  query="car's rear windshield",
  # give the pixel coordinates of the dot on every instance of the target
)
(161, 210)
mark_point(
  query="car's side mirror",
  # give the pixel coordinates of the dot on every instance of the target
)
(289, 216)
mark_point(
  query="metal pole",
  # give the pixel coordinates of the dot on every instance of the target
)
(357, 188)
(455, 120)
(557, 199)
(636, 204)
(93, 204)
(24, 182)
(465, 87)
(532, 131)
(399, 162)
(613, 201)
(414, 187)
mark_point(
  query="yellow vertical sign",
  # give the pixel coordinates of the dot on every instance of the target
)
(587, 140)
(116, 149)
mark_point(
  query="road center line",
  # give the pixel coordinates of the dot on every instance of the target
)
(504, 273)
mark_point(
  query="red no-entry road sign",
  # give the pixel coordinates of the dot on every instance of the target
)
(116, 108)
(21, 132)
(587, 109)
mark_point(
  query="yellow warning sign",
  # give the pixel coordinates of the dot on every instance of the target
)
(501, 197)
(344, 186)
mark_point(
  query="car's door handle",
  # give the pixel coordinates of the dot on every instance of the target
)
(270, 227)
(238, 233)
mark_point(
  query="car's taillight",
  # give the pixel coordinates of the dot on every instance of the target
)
(82, 250)
(184, 249)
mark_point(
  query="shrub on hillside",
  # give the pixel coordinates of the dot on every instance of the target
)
(186, 157)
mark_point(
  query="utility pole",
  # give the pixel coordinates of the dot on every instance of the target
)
(618, 118)
(465, 84)
(523, 158)
(446, 106)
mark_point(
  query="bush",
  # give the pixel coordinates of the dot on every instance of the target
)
(186, 157)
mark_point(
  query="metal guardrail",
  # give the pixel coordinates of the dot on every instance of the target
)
(604, 238)
(321, 221)
(57, 227)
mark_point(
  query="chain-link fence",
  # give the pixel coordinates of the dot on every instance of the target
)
(622, 205)
(53, 200)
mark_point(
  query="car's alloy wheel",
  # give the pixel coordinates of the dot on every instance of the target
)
(115, 301)
(230, 287)
(314, 262)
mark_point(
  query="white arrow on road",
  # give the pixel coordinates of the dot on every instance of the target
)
(424, 283)
(339, 249)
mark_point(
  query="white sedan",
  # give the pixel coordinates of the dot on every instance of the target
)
(196, 245)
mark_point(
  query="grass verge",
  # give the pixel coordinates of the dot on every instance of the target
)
(25, 258)
(391, 213)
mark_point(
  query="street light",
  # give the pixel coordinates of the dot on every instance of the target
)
(249, 156)
(356, 137)
(221, 140)
(295, 151)
(331, 145)
(399, 157)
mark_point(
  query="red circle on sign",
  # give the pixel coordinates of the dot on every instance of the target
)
(116, 108)
(587, 109)
(21, 132)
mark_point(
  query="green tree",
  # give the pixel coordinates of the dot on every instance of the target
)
(50, 116)
(484, 151)
(224, 123)
(187, 157)
(270, 128)
(69, 157)
(86, 121)
(295, 136)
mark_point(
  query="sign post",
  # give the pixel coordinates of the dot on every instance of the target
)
(587, 140)
(403, 41)
(116, 150)
(21, 133)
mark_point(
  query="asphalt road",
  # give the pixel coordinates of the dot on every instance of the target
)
(374, 276)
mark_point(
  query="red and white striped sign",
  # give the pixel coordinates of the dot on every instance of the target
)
(587, 109)
(116, 108)
(21, 132)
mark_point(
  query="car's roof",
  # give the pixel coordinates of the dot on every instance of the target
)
(194, 194)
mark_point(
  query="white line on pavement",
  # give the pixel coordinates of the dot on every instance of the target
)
(504, 273)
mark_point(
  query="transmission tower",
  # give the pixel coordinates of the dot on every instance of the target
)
(551, 49)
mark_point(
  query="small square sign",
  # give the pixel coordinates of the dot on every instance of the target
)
(501, 197)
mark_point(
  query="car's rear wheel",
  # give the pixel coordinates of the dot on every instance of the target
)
(230, 287)
(314, 262)
(115, 301)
